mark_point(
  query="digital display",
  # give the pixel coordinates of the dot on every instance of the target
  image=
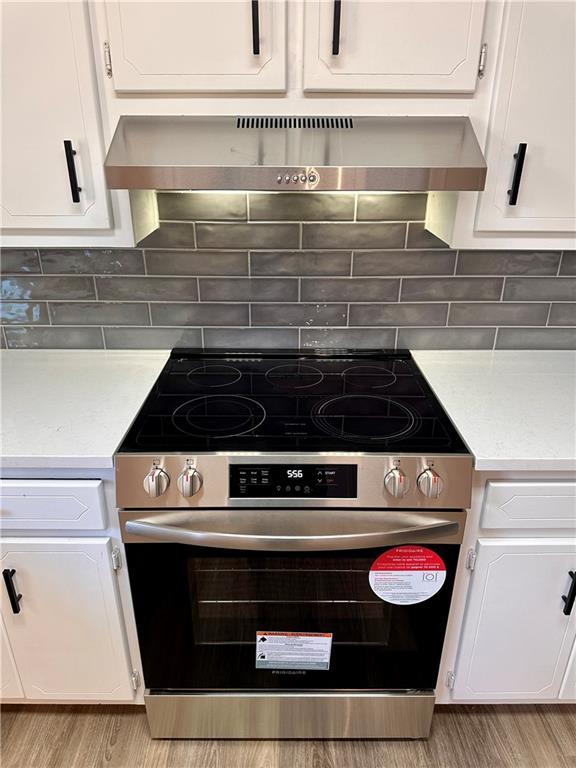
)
(314, 481)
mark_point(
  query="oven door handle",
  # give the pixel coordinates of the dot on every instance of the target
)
(294, 530)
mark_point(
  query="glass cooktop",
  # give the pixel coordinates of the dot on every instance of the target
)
(302, 401)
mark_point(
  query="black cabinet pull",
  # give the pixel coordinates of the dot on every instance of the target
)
(255, 28)
(336, 27)
(518, 167)
(571, 597)
(74, 188)
(13, 596)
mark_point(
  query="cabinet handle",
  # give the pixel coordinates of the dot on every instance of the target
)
(255, 28)
(13, 595)
(74, 188)
(571, 597)
(519, 156)
(336, 27)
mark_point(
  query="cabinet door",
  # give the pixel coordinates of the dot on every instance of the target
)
(210, 45)
(392, 46)
(516, 638)
(535, 104)
(568, 689)
(48, 97)
(68, 639)
(10, 687)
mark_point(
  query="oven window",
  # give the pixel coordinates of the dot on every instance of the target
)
(198, 611)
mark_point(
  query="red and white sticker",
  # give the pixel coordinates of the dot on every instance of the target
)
(407, 575)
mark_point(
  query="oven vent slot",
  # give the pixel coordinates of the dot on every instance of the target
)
(295, 122)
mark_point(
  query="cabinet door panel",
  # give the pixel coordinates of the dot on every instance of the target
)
(516, 639)
(10, 687)
(68, 639)
(196, 46)
(535, 104)
(390, 46)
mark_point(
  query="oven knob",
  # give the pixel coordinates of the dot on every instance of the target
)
(156, 482)
(189, 482)
(396, 483)
(430, 483)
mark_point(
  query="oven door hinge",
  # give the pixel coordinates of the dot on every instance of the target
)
(471, 559)
(116, 559)
(450, 679)
(135, 677)
(107, 59)
(481, 61)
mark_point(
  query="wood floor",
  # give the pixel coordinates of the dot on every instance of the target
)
(117, 737)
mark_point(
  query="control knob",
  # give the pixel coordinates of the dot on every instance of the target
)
(189, 481)
(156, 482)
(430, 483)
(396, 483)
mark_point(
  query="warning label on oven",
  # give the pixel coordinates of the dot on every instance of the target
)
(407, 575)
(293, 650)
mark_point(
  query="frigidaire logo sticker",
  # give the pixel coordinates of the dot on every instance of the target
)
(407, 575)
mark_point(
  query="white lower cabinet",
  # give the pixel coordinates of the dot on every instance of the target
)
(67, 641)
(10, 686)
(516, 639)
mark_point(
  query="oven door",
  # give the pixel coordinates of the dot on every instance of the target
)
(347, 600)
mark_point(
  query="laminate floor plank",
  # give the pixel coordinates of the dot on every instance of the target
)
(476, 736)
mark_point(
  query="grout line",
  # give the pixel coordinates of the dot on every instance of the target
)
(495, 340)
(149, 313)
(503, 288)
(248, 219)
(250, 314)
(4, 337)
(202, 342)
(145, 261)
(548, 315)
(301, 234)
(456, 262)
(95, 289)
(249, 264)
(397, 331)
(352, 264)
(194, 235)
(348, 315)
(447, 321)
(299, 290)
(198, 298)
(406, 236)
(560, 262)
(355, 215)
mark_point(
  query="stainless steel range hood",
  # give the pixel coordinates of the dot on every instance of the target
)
(405, 154)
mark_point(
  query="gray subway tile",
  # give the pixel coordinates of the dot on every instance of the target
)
(349, 289)
(250, 338)
(499, 313)
(147, 288)
(568, 263)
(299, 314)
(26, 337)
(404, 263)
(345, 236)
(563, 314)
(92, 261)
(406, 206)
(540, 289)
(99, 313)
(152, 338)
(248, 289)
(300, 263)
(508, 262)
(262, 236)
(24, 313)
(196, 262)
(201, 313)
(301, 206)
(398, 314)
(446, 338)
(202, 206)
(170, 236)
(19, 260)
(2, 338)
(536, 338)
(348, 338)
(451, 288)
(419, 237)
(40, 287)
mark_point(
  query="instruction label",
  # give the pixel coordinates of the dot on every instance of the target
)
(407, 575)
(293, 650)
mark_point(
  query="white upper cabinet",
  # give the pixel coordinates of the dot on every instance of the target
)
(369, 45)
(534, 105)
(209, 45)
(48, 108)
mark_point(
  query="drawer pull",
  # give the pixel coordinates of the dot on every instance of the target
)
(336, 27)
(571, 596)
(255, 28)
(13, 595)
(72, 177)
(518, 168)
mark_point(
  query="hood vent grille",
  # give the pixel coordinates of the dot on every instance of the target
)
(295, 122)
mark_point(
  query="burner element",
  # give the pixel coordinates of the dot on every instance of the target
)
(294, 376)
(365, 417)
(368, 377)
(218, 416)
(212, 376)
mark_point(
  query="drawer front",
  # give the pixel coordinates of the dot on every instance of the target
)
(52, 505)
(525, 505)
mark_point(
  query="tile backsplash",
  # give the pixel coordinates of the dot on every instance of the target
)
(288, 270)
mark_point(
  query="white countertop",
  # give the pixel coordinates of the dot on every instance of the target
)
(69, 409)
(515, 410)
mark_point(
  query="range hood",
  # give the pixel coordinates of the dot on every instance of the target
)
(408, 154)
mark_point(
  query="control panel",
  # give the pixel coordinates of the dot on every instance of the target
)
(322, 481)
(302, 177)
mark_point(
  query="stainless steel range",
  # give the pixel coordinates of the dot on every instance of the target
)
(292, 524)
